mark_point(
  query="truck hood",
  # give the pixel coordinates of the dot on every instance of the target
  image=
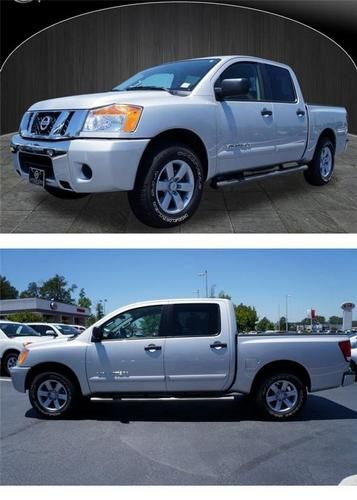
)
(88, 101)
(29, 338)
(47, 342)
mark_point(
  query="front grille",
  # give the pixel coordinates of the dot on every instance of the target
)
(43, 122)
(28, 160)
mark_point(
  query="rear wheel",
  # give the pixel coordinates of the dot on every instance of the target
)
(280, 396)
(53, 395)
(63, 194)
(9, 361)
(320, 169)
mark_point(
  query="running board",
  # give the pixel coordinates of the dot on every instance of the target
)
(243, 177)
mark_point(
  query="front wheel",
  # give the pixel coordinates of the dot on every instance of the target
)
(9, 361)
(63, 194)
(53, 395)
(169, 189)
(320, 169)
(280, 396)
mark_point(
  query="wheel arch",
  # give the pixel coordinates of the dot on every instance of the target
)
(291, 367)
(52, 366)
(177, 135)
(328, 133)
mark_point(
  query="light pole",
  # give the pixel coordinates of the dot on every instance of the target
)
(286, 313)
(205, 274)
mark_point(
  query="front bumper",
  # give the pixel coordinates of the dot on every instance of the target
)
(18, 377)
(113, 163)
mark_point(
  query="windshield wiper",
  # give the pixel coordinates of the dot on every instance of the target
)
(149, 87)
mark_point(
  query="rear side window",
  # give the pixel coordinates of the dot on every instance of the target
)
(194, 320)
(244, 70)
(279, 85)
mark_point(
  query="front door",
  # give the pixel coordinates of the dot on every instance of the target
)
(198, 350)
(130, 356)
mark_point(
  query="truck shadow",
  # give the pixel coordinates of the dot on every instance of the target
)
(205, 410)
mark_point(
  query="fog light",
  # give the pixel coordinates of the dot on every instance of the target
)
(87, 171)
(13, 148)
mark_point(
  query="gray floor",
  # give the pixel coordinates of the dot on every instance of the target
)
(200, 442)
(284, 205)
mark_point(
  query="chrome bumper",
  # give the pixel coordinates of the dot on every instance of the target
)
(18, 377)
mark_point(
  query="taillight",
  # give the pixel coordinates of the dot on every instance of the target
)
(345, 346)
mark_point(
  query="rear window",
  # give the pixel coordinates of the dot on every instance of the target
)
(279, 84)
(194, 320)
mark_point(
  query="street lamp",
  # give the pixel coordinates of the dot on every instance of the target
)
(205, 274)
(286, 313)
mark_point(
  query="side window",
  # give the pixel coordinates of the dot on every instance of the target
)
(137, 323)
(279, 84)
(194, 320)
(244, 70)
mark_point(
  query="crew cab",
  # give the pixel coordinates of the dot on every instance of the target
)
(180, 348)
(12, 338)
(164, 132)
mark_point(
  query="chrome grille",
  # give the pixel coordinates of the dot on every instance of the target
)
(52, 125)
(42, 123)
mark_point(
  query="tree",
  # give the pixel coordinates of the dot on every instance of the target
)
(282, 324)
(265, 324)
(31, 291)
(320, 319)
(83, 300)
(335, 320)
(99, 310)
(25, 317)
(7, 291)
(246, 317)
(90, 320)
(223, 295)
(57, 288)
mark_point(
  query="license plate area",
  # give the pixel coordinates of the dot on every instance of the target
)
(37, 176)
(30, 162)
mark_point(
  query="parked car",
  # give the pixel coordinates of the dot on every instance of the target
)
(164, 132)
(353, 341)
(12, 337)
(181, 348)
(54, 329)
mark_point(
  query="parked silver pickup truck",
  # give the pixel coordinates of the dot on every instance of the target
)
(167, 130)
(180, 348)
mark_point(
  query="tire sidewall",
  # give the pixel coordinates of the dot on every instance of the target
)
(70, 388)
(325, 143)
(170, 154)
(268, 412)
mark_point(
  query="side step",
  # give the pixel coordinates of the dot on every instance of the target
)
(249, 175)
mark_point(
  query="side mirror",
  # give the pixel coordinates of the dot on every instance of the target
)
(233, 87)
(51, 332)
(97, 334)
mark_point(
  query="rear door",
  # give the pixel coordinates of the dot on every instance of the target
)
(198, 349)
(289, 113)
(130, 356)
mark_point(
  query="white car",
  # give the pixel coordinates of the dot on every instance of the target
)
(353, 341)
(54, 329)
(12, 338)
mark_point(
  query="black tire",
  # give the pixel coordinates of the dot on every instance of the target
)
(145, 201)
(63, 194)
(70, 391)
(313, 174)
(7, 361)
(264, 391)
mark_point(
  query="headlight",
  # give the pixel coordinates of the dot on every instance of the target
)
(23, 355)
(113, 118)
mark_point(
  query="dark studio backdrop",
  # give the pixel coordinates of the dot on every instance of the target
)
(94, 52)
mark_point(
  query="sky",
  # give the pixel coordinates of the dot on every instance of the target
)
(320, 279)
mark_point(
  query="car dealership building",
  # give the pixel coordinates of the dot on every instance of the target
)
(50, 310)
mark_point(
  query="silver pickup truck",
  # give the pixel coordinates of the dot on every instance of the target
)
(167, 130)
(178, 348)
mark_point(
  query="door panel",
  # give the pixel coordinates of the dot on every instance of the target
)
(194, 362)
(130, 356)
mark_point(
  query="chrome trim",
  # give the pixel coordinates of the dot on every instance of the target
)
(18, 144)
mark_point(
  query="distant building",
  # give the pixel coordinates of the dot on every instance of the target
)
(51, 310)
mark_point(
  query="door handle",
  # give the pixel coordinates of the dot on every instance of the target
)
(300, 112)
(218, 345)
(266, 112)
(152, 347)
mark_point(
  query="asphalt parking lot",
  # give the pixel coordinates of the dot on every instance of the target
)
(283, 205)
(171, 442)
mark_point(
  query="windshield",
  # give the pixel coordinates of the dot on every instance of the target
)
(181, 75)
(67, 330)
(18, 330)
